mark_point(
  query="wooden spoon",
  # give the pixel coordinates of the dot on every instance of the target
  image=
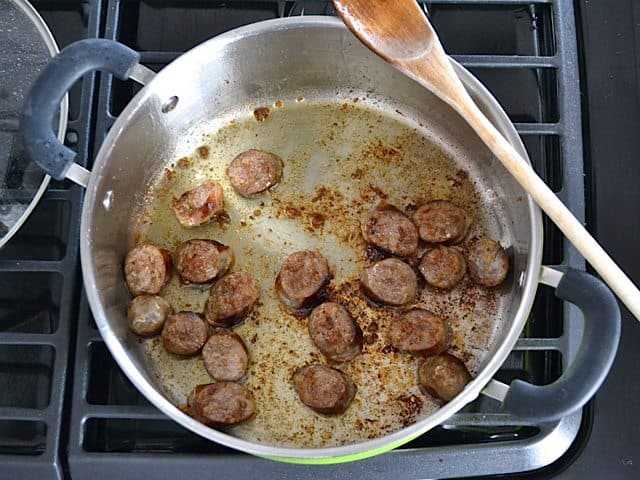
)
(399, 32)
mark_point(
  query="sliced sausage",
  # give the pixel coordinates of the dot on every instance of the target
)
(231, 299)
(302, 277)
(419, 332)
(389, 281)
(198, 206)
(147, 313)
(443, 376)
(146, 269)
(221, 403)
(225, 356)
(254, 171)
(440, 221)
(443, 267)
(388, 228)
(488, 262)
(201, 261)
(184, 333)
(324, 389)
(334, 332)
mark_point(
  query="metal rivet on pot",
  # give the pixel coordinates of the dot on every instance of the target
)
(170, 104)
(107, 201)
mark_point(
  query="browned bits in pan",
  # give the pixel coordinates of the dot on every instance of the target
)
(221, 403)
(198, 206)
(184, 333)
(146, 269)
(225, 356)
(388, 228)
(200, 261)
(261, 113)
(254, 171)
(334, 332)
(231, 299)
(324, 389)
(443, 376)
(443, 267)
(203, 151)
(419, 332)
(302, 278)
(317, 220)
(488, 262)
(389, 281)
(147, 314)
(441, 221)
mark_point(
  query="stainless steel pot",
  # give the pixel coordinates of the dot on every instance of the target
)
(282, 59)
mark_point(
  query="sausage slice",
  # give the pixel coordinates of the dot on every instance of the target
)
(440, 221)
(198, 206)
(334, 332)
(221, 403)
(225, 356)
(443, 376)
(146, 269)
(443, 267)
(201, 261)
(419, 332)
(388, 228)
(147, 313)
(231, 299)
(254, 171)
(324, 389)
(389, 281)
(488, 262)
(184, 333)
(302, 277)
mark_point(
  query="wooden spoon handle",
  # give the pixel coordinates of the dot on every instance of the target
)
(550, 203)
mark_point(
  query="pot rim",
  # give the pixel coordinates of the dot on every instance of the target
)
(528, 280)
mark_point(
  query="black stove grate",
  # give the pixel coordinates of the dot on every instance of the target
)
(39, 290)
(524, 51)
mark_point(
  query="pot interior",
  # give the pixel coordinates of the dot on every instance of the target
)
(352, 132)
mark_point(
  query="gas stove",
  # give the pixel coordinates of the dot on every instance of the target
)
(67, 411)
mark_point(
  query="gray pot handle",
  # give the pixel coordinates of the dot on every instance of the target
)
(55, 80)
(594, 358)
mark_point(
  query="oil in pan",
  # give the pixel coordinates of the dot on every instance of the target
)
(341, 158)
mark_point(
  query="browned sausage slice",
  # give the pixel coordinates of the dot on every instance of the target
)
(443, 267)
(231, 299)
(225, 356)
(324, 389)
(221, 403)
(199, 205)
(419, 332)
(388, 228)
(334, 332)
(147, 313)
(254, 171)
(389, 281)
(488, 262)
(441, 221)
(184, 333)
(302, 277)
(201, 261)
(146, 269)
(443, 376)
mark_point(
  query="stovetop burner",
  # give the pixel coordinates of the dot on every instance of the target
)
(73, 412)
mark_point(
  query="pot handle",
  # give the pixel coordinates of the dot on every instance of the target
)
(592, 362)
(55, 80)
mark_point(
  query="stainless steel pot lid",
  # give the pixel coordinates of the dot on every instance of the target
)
(26, 45)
